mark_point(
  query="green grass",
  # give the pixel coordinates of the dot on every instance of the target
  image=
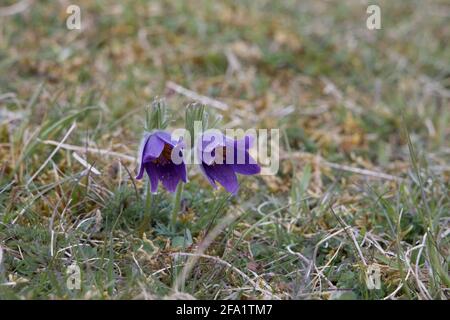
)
(374, 100)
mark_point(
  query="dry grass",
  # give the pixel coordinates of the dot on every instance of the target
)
(364, 177)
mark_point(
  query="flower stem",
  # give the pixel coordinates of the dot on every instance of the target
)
(147, 211)
(176, 206)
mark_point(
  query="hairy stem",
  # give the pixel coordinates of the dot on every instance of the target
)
(176, 206)
(147, 211)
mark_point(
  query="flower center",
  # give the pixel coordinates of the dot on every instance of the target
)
(219, 153)
(165, 156)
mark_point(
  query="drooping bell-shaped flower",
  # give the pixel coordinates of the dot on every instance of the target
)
(161, 157)
(222, 158)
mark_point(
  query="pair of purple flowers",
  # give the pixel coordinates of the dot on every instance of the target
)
(220, 157)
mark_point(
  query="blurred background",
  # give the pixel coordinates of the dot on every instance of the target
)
(345, 87)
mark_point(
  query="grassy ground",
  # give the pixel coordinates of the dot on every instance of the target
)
(346, 98)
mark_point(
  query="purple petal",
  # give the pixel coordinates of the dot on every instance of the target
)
(224, 174)
(170, 174)
(210, 180)
(244, 143)
(152, 148)
(165, 137)
(239, 157)
(181, 171)
(153, 176)
(141, 154)
(247, 169)
(141, 171)
(211, 140)
(237, 150)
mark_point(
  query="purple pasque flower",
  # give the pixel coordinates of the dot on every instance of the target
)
(222, 157)
(161, 157)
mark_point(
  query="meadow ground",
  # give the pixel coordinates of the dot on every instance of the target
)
(364, 176)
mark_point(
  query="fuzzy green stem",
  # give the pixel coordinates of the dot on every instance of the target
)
(176, 206)
(147, 211)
